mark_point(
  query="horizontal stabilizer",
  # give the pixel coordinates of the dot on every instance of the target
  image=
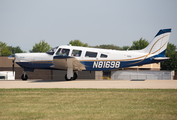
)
(161, 58)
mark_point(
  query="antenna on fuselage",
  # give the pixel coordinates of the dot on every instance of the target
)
(128, 48)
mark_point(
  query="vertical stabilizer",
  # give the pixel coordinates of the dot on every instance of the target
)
(159, 44)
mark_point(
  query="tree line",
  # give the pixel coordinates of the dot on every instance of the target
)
(5, 50)
(42, 46)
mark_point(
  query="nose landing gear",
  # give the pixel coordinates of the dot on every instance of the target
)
(24, 77)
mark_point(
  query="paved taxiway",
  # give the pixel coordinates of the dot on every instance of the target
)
(149, 84)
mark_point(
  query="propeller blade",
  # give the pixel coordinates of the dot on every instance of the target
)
(13, 66)
(13, 63)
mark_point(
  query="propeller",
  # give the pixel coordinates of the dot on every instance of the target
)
(13, 66)
(13, 63)
(12, 57)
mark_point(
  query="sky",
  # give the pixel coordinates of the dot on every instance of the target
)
(120, 22)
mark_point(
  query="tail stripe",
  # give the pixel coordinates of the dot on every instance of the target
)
(159, 49)
(155, 43)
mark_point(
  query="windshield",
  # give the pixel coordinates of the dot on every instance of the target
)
(52, 51)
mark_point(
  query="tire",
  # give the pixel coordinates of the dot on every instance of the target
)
(67, 78)
(24, 77)
(75, 76)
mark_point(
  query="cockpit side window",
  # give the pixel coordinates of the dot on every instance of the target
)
(63, 52)
(103, 56)
(76, 53)
(52, 51)
(91, 54)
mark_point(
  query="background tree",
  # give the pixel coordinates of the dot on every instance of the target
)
(4, 50)
(125, 47)
(111, 46)
(170, 64)
(42, 46)
(140, 44)
(78, 43)
(16, 49)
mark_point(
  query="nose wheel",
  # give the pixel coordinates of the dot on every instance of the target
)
(24, 77)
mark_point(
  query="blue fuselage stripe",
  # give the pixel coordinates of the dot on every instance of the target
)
(36, 65)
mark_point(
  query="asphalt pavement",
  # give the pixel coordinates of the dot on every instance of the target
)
(117, 84)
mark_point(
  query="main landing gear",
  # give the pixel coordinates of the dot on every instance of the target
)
(71, 78)
(24, 77)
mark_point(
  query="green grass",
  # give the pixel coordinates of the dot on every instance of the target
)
(89, 104)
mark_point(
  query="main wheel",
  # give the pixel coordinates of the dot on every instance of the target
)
(24, 77)
(67, 78)
(75, 76)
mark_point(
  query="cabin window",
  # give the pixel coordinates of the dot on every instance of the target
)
(63, 52)
(76, 53)
(52, 51)
(103, 56)
(90, 54)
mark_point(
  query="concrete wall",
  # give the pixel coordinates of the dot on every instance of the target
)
(98, 75)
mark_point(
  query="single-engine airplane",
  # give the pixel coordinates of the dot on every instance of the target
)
(74, 58)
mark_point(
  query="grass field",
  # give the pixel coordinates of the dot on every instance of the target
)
(88, 104)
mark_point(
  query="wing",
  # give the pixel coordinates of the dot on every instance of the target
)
(64, 62)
